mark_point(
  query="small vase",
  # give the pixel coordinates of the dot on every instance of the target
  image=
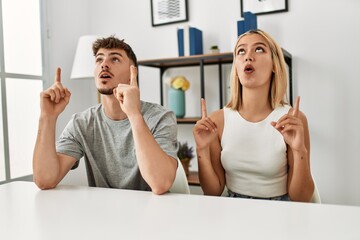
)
(186, 164)
(176, 99)
(214, 51)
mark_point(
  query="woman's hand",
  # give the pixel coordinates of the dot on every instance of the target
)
(291, 127)
(205, 130)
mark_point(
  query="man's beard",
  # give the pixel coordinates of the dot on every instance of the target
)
(106, 91)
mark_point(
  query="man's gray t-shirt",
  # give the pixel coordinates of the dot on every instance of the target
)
(108, 146)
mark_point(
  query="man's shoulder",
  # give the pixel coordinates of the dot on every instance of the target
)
(88, 114)
(149, 107)
(155, 112)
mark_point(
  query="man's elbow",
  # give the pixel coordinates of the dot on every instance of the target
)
(44, 183)
(160, 189)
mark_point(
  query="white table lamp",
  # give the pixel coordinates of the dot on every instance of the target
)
(84, 61)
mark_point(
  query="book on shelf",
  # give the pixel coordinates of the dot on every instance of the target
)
(190, 41)
(249, 23)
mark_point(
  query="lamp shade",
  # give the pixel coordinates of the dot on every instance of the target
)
(84, 62)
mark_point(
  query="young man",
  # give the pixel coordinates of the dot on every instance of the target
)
(126, 143)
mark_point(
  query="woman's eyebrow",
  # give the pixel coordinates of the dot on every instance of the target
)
(256, 43)
(261, 43)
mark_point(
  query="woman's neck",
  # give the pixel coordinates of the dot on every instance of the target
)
(254, 106)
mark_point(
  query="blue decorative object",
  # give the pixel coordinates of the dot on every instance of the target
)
(249, 23)
(190, 41)
(176, 99)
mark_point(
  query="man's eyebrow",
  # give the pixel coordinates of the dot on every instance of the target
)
(116, 53)
(111, 53)
(99, 54)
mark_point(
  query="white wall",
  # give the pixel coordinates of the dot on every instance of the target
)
(67, 21)
(323, 37)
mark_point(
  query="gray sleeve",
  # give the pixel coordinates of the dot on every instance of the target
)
(165, 133)
(68, 142)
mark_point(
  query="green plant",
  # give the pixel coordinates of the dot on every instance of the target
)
(185, 151)
(214, 47)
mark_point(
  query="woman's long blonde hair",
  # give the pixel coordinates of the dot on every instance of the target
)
(278, 85)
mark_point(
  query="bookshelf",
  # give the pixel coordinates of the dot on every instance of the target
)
(188, 61)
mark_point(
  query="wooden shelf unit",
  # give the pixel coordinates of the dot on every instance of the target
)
(189, 61)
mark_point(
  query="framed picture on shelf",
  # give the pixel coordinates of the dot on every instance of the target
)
(259, 7)
(168, 11)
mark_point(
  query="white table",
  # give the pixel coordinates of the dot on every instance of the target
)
(74, 212)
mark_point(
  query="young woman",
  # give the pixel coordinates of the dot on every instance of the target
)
(257, 146)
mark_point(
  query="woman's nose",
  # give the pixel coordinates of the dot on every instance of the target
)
(249, 59)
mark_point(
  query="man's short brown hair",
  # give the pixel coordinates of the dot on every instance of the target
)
(113, 42)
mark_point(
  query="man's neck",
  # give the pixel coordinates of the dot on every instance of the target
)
(112, 108)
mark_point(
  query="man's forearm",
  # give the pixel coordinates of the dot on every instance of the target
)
(156, 167)
(45, 162)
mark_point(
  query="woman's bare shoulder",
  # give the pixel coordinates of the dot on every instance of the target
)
(218, 118)
(217, 114)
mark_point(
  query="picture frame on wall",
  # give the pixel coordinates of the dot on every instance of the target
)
(168, 12)
(260, 7)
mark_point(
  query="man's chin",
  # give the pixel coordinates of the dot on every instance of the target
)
(106, 91)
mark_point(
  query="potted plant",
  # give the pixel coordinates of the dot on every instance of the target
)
(185, 154)
(214, 49)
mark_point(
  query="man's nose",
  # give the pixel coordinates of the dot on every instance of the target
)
(105, 65)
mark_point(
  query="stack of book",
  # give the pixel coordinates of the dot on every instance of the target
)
(190, 41)
(249, 23)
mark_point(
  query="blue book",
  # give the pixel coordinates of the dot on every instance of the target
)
(180, 37)
(240, 27)
(196, 41)
(249, 23)
(190, 41)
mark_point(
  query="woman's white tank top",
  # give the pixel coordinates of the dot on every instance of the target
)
(254, 155)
